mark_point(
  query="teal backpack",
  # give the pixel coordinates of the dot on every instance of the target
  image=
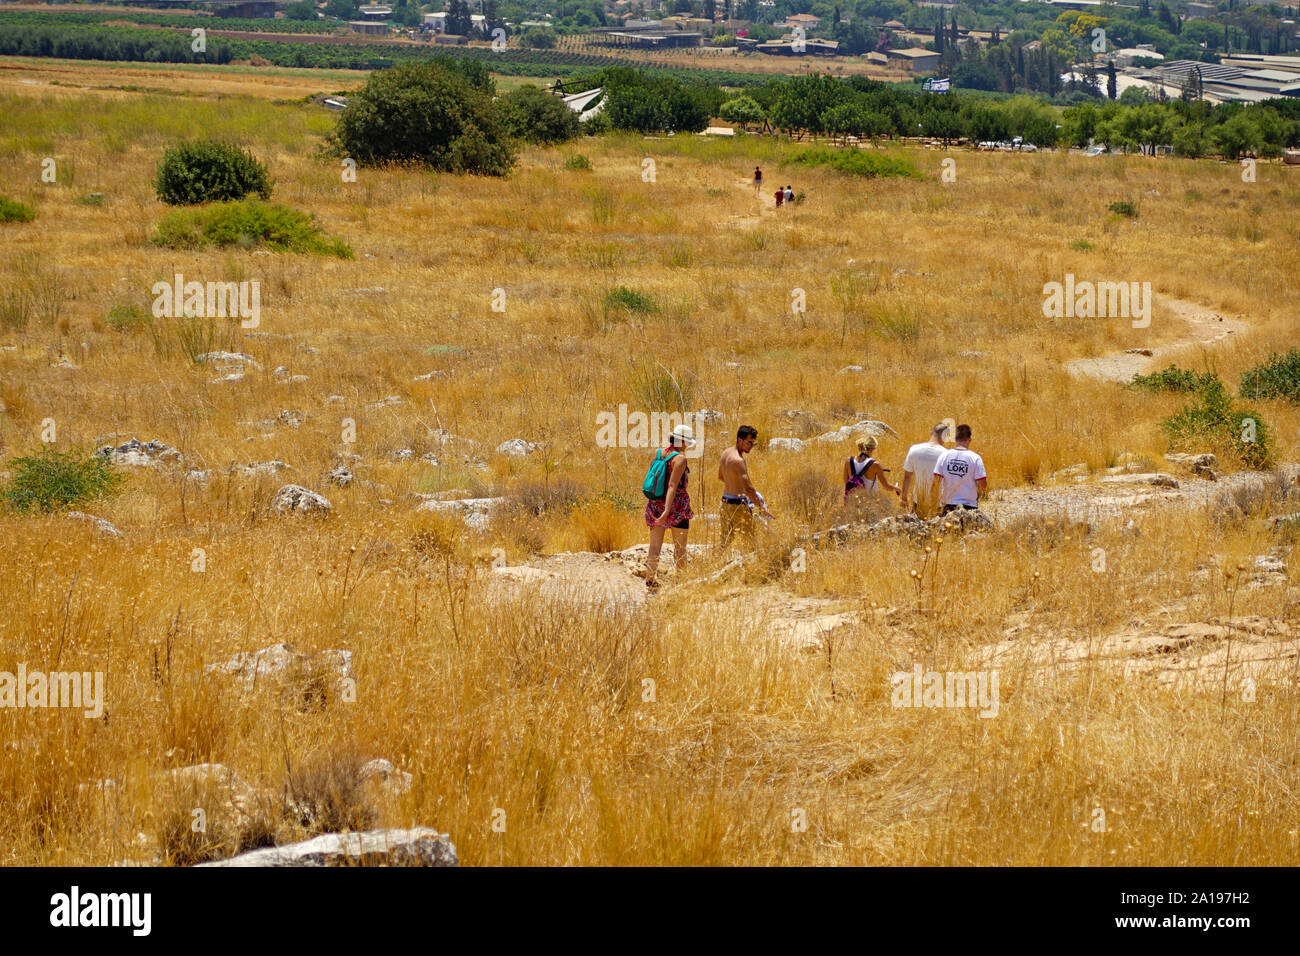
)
(655, 485)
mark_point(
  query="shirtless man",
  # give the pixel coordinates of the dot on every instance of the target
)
(738, 493)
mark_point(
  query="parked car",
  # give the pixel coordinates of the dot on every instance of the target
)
(1095, 151)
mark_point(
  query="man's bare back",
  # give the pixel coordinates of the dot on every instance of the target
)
(734, 475)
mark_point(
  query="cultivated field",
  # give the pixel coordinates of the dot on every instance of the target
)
(547, 710)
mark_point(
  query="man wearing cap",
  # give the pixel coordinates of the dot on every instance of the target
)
(918, 468)
(739, 496)
(673, 510)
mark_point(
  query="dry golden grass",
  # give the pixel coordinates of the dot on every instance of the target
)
(539, 706)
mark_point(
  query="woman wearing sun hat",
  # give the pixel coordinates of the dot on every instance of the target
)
(673, 510)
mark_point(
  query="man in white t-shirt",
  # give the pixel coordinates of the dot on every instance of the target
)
(959, 477)
(918, 467)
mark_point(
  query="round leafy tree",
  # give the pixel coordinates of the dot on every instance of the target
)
(533, 115)
(209, 172)
(428, 113)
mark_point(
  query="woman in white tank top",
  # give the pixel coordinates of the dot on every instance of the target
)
(863, 475)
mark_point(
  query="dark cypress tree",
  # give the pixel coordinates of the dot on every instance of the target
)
(938, 33)
(458, 18)
(1112, 84)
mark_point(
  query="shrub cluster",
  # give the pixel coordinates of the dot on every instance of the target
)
(13, 211)
(1214, 417)
(201, 172)
(247, 224)
(1277, 377)
(52, 480)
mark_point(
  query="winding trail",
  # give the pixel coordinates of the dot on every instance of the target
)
(1204, 327)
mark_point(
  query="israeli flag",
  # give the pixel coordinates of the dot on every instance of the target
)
(937, 86)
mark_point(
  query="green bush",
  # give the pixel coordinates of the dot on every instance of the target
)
(630, 301)
(1217, 420)
(535, 116)
(1175, 379)
(13, 211)
(300, 11)
(425, 113)
(856, 162)
(52, 480)
(209, 172)
(578, 161)
(537, 38)
(247, 224)
(1125, 207)
(1278, 377)
(127, 318)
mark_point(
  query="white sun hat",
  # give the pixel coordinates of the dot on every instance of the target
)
(683, 434)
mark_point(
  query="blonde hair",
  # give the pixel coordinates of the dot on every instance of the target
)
(867, 445)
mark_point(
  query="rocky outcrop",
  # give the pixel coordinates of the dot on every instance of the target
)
(340, 476)
(786, 444)
(295, 499)
(419, 846)
(103, 526)
(477, 512)
(1155, 479)
(516, 448)
(138, 454)
(320, 674)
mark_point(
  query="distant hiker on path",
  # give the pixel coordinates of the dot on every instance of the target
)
(758, 181)
(959, 477)
(862, 473)
(739, 495)
(669, 505)
(918, 469)
(780, 197)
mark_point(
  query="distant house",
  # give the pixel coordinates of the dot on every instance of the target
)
(686, 24)
(375, 11)
(916, 59)
(895, 25)
(805, 20)
(879, 59)
(364, 26)
(1126, 56)
(786, 47)
(436, 21)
